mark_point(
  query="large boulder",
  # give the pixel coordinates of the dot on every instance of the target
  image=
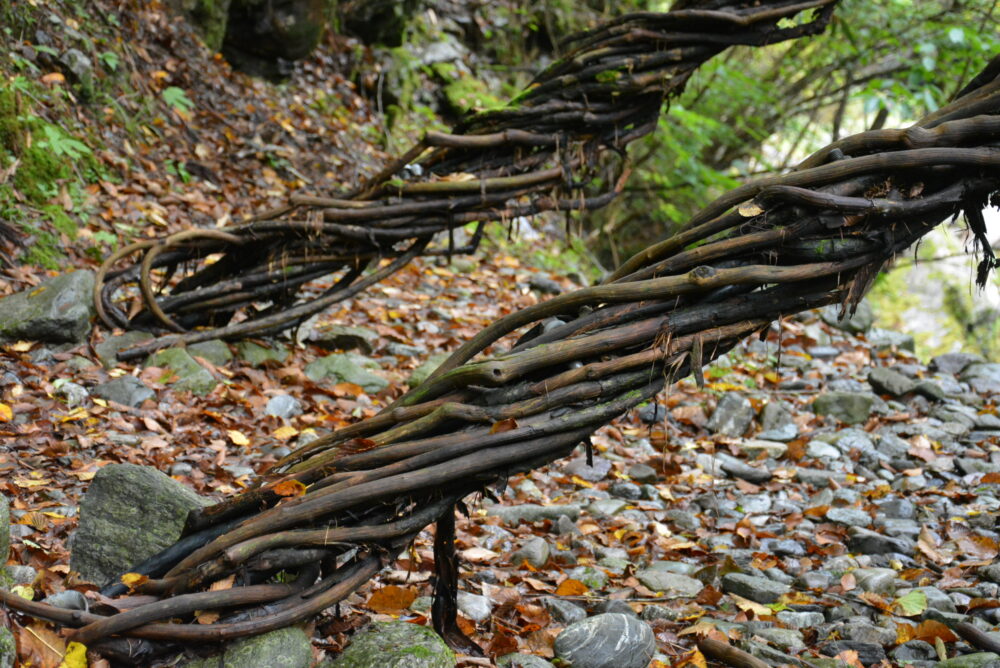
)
(207, 16)
(191, 376)
(288, 648)
(128, 514)
(395, 645)
(58, 310)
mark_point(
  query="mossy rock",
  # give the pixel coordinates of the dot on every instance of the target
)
(422, 372)
(395, 645)
(215, 351)
(284, 648)
(209, 18)
(8, 650)
(344, 369)
(108, 349)
(58, 310)
(191, 376)
(258, 355)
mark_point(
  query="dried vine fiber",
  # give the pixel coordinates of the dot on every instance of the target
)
(559, 146)
(333, 511)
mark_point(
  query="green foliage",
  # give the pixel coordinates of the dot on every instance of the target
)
(177, 99)
(61, 144)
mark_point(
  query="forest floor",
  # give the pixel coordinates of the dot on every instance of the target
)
(857, 531)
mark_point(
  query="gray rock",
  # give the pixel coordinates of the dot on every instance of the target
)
(614, 605)
(740, 469)
(857, 323)
(761, 590)
(869, 542)
(72, 393)
(108, 349)
(17, 575)
(404, 350)
(820, 450)
(683, 519)
(8, 648)
(669, 585)
(474, 606)
(423, 372)
(983, 378)
(283, 406)
(57, 310)
(969, 465)
(914, 650)
(954, 362)
(876, 580)
(930, 389)
(775, 415)
(898, 508)
(819, 478)
(625, 490)
(651, 613)
(786, 639)
(594, 578)
(887, 381)
(755, 503)
(214, 351)
(755, 446)
(642, 473)
(257, 355)
(535, 551)
(523, 661)
(128, 514)
(579, 467)
(395, 645)
(974, 660)
(344, 337)
(544, 284)
(853, 517)
(125, 390)
(732, 415)
(937, 599)
(887, 339)
(652, 412)
(343, 369)
(611, 640)
(191, 376)
(4, 529)
(868, 653)
(848, 407)
(606, 507)
(564, 612)
(532, 512)
(784, 433)
(801, 620)
(69, 599)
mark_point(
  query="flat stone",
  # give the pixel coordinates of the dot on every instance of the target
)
(191, 376)
(474, 606)
(786, 639)
(257, 355)
(344, 337)
(57, 310)
(669, 585)
(343, 369)
(683, 519)
(128, 514)
(820, 450)
(283, 406)
(594, 578)
(652, 412)
(564, 612)
(125, 390)
(532, 512)
(876, 580)
(848, 407)
(819, 478)
(642, 473)
(214, 351)
(395, 645)
(914, 650)
(606, 507)
(887, 381)
(578, 467)
(535, 551)
(801, 620)
(858, 322)
(868, 653)
(602, 641)
(937, 599)
(108, 349)
(869, 542)
(761, 590)
(523, 661)
(732, 415)
(898, 508)
(974, 660)
(739, 469)
(753, 448)
(854, 517)
(954, 363)
(288, 647)
(983, 378)
(887, 339)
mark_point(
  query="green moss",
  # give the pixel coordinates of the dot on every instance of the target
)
(44, 249)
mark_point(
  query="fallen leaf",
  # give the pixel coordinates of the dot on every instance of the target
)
(571, 587)
(392, 599)
(285, 433)
(238, 437)
(133, 580)
(911, 604)
(289, 488)
(76, 656)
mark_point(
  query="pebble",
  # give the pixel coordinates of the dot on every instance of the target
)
(642, 473)
(854, 517)
(876, 580)
(535, 552)
(761, 590)
(564, 612)
(866, 541)
(283, 406)
(669, 585)
(475, 606)
(578, 467)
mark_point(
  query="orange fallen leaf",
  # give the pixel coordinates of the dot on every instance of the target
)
(289, 488)
(392, 599)
(571, 587)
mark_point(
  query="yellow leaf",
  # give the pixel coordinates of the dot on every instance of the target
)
(571, 587)
(285, 433)
(25, 482)
(100, 402)
(580, 482)
(238, 437)
(24, 591)
(6, 413)
(751, 606)
(133, 580)
(750, 209)
(289, 488)
(76, 656)
(21, 346)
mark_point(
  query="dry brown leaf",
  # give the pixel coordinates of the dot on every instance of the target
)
(392, 599)
(289, 488)
(571, 587)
